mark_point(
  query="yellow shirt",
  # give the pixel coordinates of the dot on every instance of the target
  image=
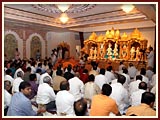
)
(141, 110)
(102, 105)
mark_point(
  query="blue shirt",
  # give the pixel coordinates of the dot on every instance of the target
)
(20, 106)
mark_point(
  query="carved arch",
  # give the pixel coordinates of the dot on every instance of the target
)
(29, 41)
(18, 43)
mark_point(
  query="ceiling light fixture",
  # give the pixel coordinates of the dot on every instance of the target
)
(127, 8)
(63, 7)
(64, 18)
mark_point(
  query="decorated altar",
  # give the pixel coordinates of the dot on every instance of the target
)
(112, 46)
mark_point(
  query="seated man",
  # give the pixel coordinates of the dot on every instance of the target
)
(80, 107)
(65, 100)
(146, 106)
(45, 94)
(137, 95)
(20, 104)
(7, 96)
(102, 104)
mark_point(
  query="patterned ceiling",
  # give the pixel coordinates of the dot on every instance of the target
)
(74, 8)
(82, 17)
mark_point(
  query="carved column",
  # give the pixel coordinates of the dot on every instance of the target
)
(24, 44)
(46, 46)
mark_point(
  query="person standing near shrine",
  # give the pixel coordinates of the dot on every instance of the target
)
(17, 54)
(150, 57)
(38, 55)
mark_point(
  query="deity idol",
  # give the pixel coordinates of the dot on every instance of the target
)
(109, 50)
(132, 53)
(101, 49)
(115, 51)
(95, 53)
(91, 52)
(124, 51)
(138, 54)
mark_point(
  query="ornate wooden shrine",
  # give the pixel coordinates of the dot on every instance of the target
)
(115, 47)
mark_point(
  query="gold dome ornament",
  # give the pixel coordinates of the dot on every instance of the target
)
(100, 38)
(135, 34)
(93, 36)
(124, 36)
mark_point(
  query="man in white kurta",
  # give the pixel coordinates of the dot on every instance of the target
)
(101, 78)
(120, 94)
(132, 71)
(76, 87)
(17, 82)
(153, 81)
(133, 86)
(65, 101)
(109, 74)
(143, 73)
(45, 93)
(91, 88)
(125, 73)
(136, 96)
(7, 96)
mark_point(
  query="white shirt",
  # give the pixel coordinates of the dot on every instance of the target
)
(91, 89)
(16, 84)
(7, 98)
(38, 78)
(133, 86)
(45, 94)
(100, 80)
(65, 103)
(76, 87)
(110, 76)
(145, 79)
(98, 70)
(33, 69)
(120, 95)
(127, 80)
(132, 71)
(121, 66)
(149, 74)
(153, 81)
(136, 97)
(9, 78)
